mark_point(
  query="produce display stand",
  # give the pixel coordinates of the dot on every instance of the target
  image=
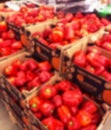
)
(17, 92)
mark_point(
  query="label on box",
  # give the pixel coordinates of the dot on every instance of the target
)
(43, 52)
(97, 86)
(65, 65)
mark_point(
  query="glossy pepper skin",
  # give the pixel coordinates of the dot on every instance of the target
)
(64, 113)
(80, 58)
(35, 103)
(57, 100)
(90, 107)
(52, 123)
(47, 108)
(95, 118)
(73, 124)
(72, 97)
(63, 85)
(47, 92)
(59, 125)
(90, 127)
(106, 75)
(99, 70)
(92, 59)
(83, 117)
(49, 123)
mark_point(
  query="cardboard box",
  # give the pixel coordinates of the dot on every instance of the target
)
(19, 96)
(36, 123)
(27, 31)
(97, 86)
(43, 51)
(39, 49)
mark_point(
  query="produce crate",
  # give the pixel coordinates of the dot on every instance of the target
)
(42, 46)
(99, 37)
(36, 123)
(8, 86)
(39, 49)
(19, 19)
(89, 82)
(68, 52)
(9, 42)
(27, 31)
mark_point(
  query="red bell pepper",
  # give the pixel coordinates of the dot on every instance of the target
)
(49, 123)
(68, 32)
(89, 106)
(56, 36)
(64, 85)
(60, 14)
(64, 113)
(35, 103)
(105, 21)
(107, 76)
(90, 68)
(107, 45)
(52, 123)
(69, 17)
(74, 110)
(47, 108)
(83, 117)
(90, 127)
(99, 70)
(59, 125)
(73, 124)
(72, 97)
(92, 59)
(103, 61)
(38, 114)
(96, 118)
(47, 92)
(99, 42)
(44, 76)
(57, 100)
(44, 66)
(80, 58)
(106, 38)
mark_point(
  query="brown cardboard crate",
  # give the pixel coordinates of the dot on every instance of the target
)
(94, 37)
(19, 96)
(36, 123)
(39, 49)
(26, 31)
(43, 51)
(89, 82)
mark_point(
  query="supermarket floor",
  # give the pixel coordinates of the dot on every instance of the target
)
(5, 122)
